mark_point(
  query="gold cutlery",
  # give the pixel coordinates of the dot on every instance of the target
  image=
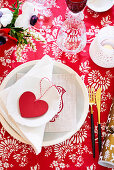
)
(98, 102)
(91, 103)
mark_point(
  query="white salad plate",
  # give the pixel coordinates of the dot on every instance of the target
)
(100, 5)
(82, 102)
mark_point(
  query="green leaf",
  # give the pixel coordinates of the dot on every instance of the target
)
(13, 31)
(13, 8)
(20, 3)
(25, 41)
(18, 29)
(27, 36)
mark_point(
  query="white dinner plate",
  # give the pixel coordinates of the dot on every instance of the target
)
(82, 104)
(100, 5)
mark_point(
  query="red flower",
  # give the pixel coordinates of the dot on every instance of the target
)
(6, 41)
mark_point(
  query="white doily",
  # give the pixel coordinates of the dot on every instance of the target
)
(100, 55)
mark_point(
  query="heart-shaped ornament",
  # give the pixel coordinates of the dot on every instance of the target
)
(30, 107)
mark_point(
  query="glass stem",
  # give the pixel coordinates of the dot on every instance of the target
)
(78, 16)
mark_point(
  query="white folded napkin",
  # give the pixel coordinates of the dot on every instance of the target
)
(32, 134)
(32, 84)
(65, 120)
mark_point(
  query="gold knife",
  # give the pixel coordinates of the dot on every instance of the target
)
(98, 101)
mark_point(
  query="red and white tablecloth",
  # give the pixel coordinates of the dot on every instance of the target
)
(76, 152)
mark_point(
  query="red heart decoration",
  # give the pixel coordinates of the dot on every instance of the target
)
(30, 107)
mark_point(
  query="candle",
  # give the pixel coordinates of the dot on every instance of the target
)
(91, 1)
(108, 43)
(108, 46)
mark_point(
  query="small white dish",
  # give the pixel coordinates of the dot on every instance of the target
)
(81, 107)
(100, 5)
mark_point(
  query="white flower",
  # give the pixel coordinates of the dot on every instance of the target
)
(55, 163)
(62, 149)
(62, 165)
(80, 161)
(107, 154)
(6, 165)
(84, 67)
(96, 80)
(93, 166)
(112, 127)
(72, 157)
(7, 147)
(81, 135)
(107, 144)
(36, 167)
(5, 17)
(28, 16)
(48, 151)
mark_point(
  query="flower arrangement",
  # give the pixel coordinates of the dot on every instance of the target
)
(18, 29)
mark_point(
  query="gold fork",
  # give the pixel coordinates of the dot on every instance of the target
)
(91, 92)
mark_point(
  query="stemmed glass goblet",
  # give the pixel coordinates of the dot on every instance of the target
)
(76, 5)
(72, 35)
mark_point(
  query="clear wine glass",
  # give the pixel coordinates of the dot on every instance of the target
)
(72, 35)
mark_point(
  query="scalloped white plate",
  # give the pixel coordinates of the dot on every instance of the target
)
(81, 107)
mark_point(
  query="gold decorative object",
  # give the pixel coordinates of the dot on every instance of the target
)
(106, 157)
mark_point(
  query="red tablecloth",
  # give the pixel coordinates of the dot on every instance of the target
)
(76, 152)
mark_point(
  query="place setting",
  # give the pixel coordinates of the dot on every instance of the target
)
(61, 75)
(49, 102)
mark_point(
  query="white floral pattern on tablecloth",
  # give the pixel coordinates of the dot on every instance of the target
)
(76, 152)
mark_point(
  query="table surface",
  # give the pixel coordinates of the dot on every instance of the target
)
(76, 152)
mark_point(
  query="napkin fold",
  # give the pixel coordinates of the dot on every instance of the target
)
(106, 157)
(63, 121)
(33, 135)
